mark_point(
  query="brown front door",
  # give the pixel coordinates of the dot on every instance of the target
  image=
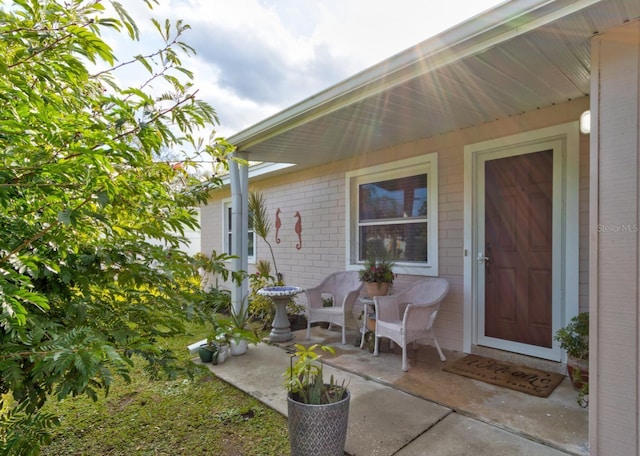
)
(518, 240)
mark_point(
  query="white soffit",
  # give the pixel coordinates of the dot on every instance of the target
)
(517, 57)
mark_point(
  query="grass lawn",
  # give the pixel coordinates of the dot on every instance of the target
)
(205, 416)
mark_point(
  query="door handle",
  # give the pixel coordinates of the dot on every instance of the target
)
(483, 259)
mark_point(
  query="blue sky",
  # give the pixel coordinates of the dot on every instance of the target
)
(257, 57)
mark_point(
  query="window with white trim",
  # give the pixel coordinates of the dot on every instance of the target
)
(228, 233)
(393, 214)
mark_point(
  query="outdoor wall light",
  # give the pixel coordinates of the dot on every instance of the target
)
(585, 122)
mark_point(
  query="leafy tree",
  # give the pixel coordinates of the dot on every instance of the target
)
(91, 271)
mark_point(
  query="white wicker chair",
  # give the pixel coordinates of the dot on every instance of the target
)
(409, 315)
(344, 288)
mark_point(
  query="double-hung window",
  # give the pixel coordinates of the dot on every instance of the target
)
(393, 214)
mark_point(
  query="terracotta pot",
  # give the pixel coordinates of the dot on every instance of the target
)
(376, 288)
(371, 324)
(578, 372)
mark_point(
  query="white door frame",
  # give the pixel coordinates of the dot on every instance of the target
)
(564, 140)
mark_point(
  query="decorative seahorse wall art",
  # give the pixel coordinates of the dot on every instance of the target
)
(278, 225)
(298, 229)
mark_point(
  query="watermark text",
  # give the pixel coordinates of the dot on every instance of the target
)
(613, 228)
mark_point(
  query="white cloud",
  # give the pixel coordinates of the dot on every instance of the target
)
(256, 57)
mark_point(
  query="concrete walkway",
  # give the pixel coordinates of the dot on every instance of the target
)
(383, 420)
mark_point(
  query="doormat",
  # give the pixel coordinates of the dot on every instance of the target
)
(508, 375)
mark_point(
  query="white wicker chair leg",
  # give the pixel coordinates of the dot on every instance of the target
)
(375, 346)
(405, 363)
(435, 342)
(308, 329)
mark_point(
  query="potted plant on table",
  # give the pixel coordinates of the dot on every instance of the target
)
(574, 339)
(377, 276)
(318, 412)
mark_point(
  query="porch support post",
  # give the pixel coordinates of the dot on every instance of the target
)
(614, 239)
(239, 181)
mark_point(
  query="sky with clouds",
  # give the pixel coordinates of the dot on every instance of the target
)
(258, 57)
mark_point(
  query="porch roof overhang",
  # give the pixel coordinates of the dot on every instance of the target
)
(520, 56)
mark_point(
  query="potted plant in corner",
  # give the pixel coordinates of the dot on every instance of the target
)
(377, 276)
(207, 351)
(219, 338)
(237, 331)
(318, 412)
(574, 339)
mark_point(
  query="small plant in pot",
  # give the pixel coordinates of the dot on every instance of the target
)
(221, 341)
(377, 276)
(318, 411)
(574, 339)
(238, 331)
(207, 351)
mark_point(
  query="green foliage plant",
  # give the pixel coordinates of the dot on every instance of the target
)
(213, 297)
(262, 306)
(327, 302)
(242, 326)
(574, 337)
(92, 214)
(260, 221)
(304, 379)
(378, 271)
(214, 268)
(236, 326)
(583, 392)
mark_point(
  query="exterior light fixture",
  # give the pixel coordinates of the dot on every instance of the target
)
(585, 122)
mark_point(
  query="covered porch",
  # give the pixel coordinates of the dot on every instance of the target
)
(525, 66)
(425, 410)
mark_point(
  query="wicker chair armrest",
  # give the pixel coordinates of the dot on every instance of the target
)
(420, 316)
(314, 297)
(350, 300)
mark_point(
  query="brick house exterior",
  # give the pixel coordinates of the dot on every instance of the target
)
(579, 55)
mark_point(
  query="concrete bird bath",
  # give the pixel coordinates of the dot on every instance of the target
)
(280, 329)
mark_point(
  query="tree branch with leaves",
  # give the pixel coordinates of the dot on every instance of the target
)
(91, 222)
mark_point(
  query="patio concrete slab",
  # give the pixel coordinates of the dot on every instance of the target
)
(556, 421)
(381, 419)
(387, 417)
(457, 435)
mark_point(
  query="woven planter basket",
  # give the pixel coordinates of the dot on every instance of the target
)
(318, 430)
